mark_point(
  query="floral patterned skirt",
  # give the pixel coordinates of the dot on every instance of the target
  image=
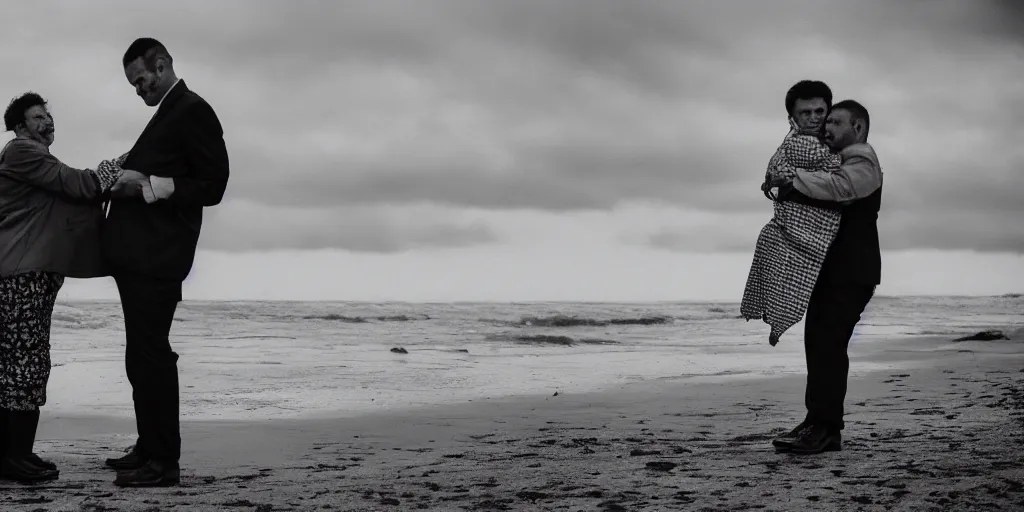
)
(26, 305)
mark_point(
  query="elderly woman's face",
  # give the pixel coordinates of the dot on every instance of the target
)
(39, 124)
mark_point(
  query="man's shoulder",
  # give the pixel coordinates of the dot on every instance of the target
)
(860, 150)
(190, 99)
(194, 105)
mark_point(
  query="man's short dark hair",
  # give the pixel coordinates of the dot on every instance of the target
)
(149, 50)
(857, 112)
(807, 90)
(15, 113)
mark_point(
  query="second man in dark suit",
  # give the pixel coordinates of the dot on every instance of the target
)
(149, 240)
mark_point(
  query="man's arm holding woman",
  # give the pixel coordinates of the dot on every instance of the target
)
(859, 176)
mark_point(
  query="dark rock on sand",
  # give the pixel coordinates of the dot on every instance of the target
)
(641, 453)
(532, 495)
(661, 465)
(33, 501)
(984, 336)
(240, 503)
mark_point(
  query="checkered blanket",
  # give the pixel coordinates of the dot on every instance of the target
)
(792, 245)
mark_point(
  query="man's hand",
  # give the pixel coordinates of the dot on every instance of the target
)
(130, 184)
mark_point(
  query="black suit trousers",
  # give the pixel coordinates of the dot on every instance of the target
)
(149, 305)
(833, 312)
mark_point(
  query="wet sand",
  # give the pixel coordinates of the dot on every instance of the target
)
(945, 433)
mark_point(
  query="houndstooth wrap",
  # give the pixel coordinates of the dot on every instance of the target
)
(792, 245)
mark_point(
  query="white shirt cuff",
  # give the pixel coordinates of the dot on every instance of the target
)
(162, 187)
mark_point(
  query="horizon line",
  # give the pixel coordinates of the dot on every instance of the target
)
(543, 301)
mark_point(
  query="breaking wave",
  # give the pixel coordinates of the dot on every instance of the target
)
(572, 321)
(548, 339)
(364, 319)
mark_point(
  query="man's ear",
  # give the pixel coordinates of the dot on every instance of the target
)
(858, 127)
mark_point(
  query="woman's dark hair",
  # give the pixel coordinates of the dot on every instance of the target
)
(15, 113)
(807, 90)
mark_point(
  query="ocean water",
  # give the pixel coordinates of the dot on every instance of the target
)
(255, 360)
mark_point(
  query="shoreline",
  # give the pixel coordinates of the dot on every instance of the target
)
(920, 350)
(731, 301)
(260, 392)
(904, 352)
(231, 367)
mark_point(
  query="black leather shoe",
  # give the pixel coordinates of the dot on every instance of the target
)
(153, 474)
(134, 460)
(785, 441)
(23, 470)
(817, 439)
(41, 462)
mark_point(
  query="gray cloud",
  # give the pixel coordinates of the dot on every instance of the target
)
(699, 240)
(555, 178)
(988, 232)
(245, 226)
(900, 230)
(574, 105)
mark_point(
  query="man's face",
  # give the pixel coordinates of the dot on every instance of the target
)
(839, 131)
(39, 124)
(810, 114)
(145, 82)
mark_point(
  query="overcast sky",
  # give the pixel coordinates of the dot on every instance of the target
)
(539, 149)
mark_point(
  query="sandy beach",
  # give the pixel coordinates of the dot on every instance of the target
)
(943, 434)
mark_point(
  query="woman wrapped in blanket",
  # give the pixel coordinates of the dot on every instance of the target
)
(792, 245)
(50, 216)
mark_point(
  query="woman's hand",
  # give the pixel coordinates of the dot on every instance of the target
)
(129, 184)
(782, 175)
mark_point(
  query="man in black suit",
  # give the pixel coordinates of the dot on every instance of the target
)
(851, 271)
(149, 241)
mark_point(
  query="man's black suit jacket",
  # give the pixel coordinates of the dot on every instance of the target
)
(184, 141)
(855, 256)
